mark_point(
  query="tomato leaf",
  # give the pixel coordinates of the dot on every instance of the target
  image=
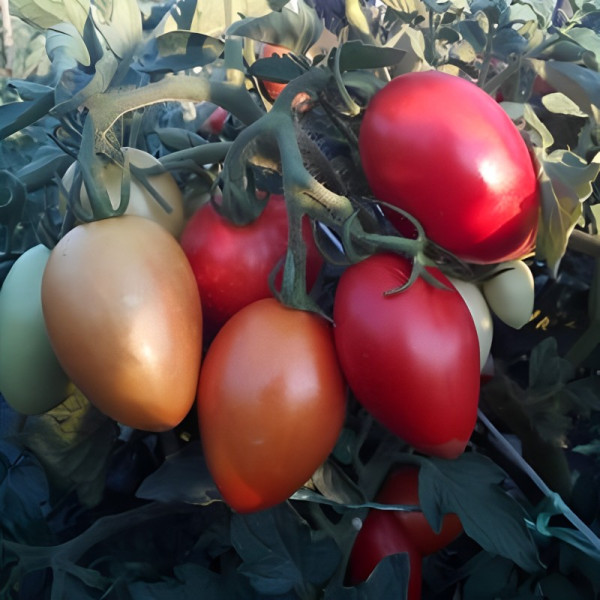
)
(15, 116)
(183, 477)
(297, 29)
(280, 552)
(355, 54)
(47, 13)
(179, 50)
(470, 486)
(73, 442)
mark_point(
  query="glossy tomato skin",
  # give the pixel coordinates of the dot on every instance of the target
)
(442, 149)
(411, 358)
(124, 318)
(381, 535)
(402, 487)
(271, 403)
(232, 264)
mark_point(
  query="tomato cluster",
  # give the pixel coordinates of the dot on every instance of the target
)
(148, 315)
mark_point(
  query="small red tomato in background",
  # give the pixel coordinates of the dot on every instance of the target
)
(411, 358)
(381, 535)
(402, 487)
(232, 264)
(273, 88)
(271, 403)
(440, 148)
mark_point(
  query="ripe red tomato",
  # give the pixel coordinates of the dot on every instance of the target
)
(124, 318)
(440, 148)
(271, 403)
(381, 535)
(232, 264)
(402, 487)
(411, 358)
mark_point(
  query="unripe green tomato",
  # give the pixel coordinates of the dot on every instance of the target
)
(481, 316)
(141, 202)
(509, 293)
(31, 379)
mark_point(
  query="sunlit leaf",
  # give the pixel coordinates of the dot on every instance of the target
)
(47, 13)
(120, 23)
(561, 104)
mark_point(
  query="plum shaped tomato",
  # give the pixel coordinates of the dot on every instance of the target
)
(124, 317)
(440, 148)
(271, 403)
(382, 535)
(402, 487)
(412, 357)
(232, 264)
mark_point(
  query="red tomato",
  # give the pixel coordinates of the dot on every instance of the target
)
(381, 535)
(440, 148)
(273, 88)
(124, 318)
(271, 403)
(232, 264)
(411, 358)
(402, 487)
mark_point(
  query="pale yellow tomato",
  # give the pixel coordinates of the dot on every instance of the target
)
(141, 202)
(509, 292)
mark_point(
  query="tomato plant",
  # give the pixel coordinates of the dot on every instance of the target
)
(381, 535)
(440, 148)
(271, 403)
(411, 358)
(124, 318)
(141, 201)
(402, 487)
(25, 349)
(232, 264)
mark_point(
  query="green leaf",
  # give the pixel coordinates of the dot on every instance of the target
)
(280, 551)
(356, 55)
(213, 18)
(120, 23)
(48, 162)
(470, 486)
(183, 477)
(565, 182)
(495, 577)
(276, 68)
(65, 47)
(47, 13)
(15, 116)
(73, 441)
(297, 29)
(546, 367)
(179, 50)
(563, 105)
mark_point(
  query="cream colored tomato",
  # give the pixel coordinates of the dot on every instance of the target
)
(481, 315)
(509, 293)
(31, 378)
(141, 202)
(124, 317)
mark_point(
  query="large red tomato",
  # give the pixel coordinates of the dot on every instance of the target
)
(440, 148)
(381, 535)
(232, 264)
(402, 487)
(411, 358)
(271, 403)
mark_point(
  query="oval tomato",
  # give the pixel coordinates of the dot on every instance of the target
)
(31, 378)
(271, 403)
(510, 293)
(141, 202)
(440, 148)
(232, 264)
(411, 358)
(124, 317)
(381, 535)
(402, 487)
